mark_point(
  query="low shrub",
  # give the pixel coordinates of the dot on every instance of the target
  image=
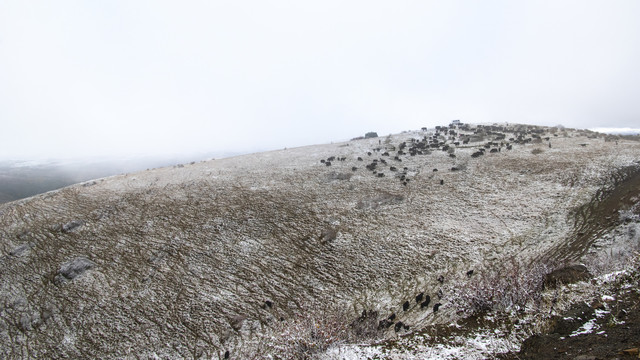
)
(310, 332)
(510, 286)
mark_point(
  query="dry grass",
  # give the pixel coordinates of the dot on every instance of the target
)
(182, 253)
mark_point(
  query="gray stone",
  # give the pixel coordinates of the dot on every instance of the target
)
(72, 225)
(72, 269)
(20, 250)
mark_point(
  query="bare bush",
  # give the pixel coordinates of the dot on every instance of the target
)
(511, 286)
(310, 332)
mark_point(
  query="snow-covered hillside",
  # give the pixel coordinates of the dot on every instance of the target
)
(217, 258)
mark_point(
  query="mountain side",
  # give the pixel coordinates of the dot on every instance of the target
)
(205, 260)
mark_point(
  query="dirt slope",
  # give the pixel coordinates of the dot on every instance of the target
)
(201, 259)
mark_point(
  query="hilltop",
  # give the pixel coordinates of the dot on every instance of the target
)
(304, 251)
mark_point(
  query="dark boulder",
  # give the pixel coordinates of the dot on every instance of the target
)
(566, 275)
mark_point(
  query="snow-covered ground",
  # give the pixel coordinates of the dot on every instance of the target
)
(199, 259)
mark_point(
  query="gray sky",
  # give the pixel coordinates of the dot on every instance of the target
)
(87, 78)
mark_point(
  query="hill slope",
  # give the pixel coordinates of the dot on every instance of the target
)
(200, 259)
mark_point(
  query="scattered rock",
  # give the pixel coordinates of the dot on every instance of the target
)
(339, 176)
(328, 234)
(237, 321)
(20, 250)
(72, 225)
(72, 269)
(29, 322)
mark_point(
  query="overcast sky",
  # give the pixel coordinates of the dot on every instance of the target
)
(88, 78)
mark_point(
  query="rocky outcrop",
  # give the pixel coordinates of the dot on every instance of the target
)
(566, 275)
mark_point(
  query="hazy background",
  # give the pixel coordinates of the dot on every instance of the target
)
(124, 78)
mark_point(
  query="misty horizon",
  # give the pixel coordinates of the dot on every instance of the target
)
(137, 79)
(178, 157)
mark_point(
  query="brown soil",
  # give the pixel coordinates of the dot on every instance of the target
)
(615, 332)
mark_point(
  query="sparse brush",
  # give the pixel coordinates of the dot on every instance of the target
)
(310, 332)
(511, 286)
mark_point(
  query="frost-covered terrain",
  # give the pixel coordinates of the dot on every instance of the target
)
(221, 258)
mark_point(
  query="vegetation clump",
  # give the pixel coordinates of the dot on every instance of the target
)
(371, 134)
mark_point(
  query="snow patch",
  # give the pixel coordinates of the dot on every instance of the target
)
(586, 328)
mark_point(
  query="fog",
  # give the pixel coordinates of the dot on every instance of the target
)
(139, 78)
